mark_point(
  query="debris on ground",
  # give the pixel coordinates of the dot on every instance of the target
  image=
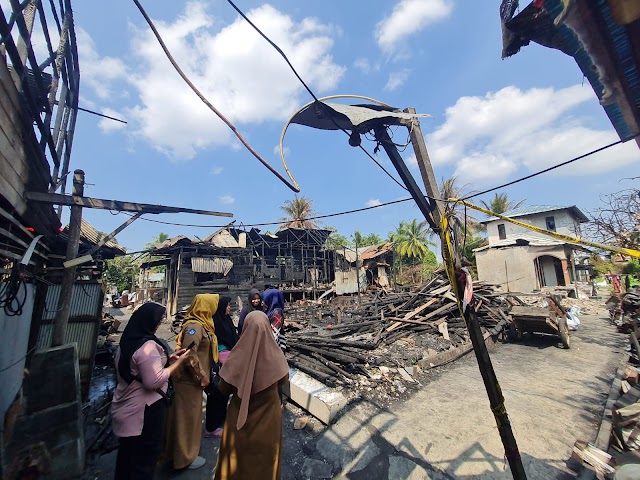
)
(624, 310)
(374, 343)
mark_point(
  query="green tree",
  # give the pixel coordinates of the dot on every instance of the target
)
(159, 238)
(360, 240)
(335, 240)
(411, 239)
(373, 239)
(297, 214)
(501, 203)
(463, 225)
(121, 272)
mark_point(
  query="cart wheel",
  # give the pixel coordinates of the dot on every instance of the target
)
(564, 332)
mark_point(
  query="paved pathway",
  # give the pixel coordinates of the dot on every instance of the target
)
(446, 430)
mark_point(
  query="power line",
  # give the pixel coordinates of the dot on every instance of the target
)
(547, 169)
(279, 50)
(265, 224)
(357, 210)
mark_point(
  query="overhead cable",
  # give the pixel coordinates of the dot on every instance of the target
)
(553, 167)
(279, 50)
(396, 201)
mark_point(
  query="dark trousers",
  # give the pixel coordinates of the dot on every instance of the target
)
(216, 411)
(137, 456)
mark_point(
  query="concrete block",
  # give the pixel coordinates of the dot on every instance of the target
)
(315, 397)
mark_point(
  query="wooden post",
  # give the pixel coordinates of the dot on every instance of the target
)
(424, 164)
(69, 275)
(496, 399)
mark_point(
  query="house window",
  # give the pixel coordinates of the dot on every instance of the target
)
(550, 223)
(502, 233)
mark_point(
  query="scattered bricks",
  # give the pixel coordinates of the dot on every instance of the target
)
(300, 422)
(631, 376)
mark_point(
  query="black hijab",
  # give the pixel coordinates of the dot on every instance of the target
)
(140, 329)
(253, 293)
(225, 329)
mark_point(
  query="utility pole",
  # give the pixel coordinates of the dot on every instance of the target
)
(69, 274)
(496, 399)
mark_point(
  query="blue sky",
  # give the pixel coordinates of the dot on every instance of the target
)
(492, 120)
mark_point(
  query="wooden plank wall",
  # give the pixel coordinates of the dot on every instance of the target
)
(238, 284)
(22, 167)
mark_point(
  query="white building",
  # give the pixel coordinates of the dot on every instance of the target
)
(523, 260)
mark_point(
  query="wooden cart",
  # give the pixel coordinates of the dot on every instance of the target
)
(551, 320)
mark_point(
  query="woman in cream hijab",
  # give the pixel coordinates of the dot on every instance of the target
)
(252, 437)
(184, 425)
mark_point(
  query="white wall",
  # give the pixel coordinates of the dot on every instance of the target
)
(565, 224)
(519, 275)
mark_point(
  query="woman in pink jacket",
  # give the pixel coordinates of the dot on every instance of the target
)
(140, 401)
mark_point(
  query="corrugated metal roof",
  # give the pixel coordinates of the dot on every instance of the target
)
(222, 238)
(528, 240)
(171, 242)
(365, 253)
(535, 209)
(211, 265)
(92, 236)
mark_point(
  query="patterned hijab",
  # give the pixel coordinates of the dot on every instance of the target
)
(255, 363)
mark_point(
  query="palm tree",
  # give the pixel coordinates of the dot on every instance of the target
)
(412, 239)
(501, 203)
(298, 212)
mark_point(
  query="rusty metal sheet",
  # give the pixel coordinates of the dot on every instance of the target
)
(211, 265)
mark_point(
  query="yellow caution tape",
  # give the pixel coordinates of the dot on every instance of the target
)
(448, 260)
(625, 251)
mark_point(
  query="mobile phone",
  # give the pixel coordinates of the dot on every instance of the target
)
(191, 345)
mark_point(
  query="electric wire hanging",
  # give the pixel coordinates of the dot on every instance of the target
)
(232, 127)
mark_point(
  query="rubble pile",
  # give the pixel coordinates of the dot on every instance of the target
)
(342, 344)
(624, 310)
(585, 306)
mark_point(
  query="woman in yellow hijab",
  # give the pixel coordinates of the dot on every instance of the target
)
(184, 425)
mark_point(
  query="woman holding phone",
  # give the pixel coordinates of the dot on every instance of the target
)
(139, 404)
(184, 425)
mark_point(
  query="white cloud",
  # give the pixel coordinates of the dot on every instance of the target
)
(107, 125)
(216, 170)
(412, 161)
(488, 138)
(397, 79)
(227, 199)
(98, 73)
(409, 17)
(286, 151)
(373, 202)
(362, 64)
(235, 69)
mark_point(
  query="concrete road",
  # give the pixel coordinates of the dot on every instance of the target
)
(446, 429)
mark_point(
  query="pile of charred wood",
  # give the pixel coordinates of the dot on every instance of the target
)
(337, 343)
(624, 310)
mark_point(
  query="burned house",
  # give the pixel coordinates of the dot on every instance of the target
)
(358, 269)
(232, 261)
